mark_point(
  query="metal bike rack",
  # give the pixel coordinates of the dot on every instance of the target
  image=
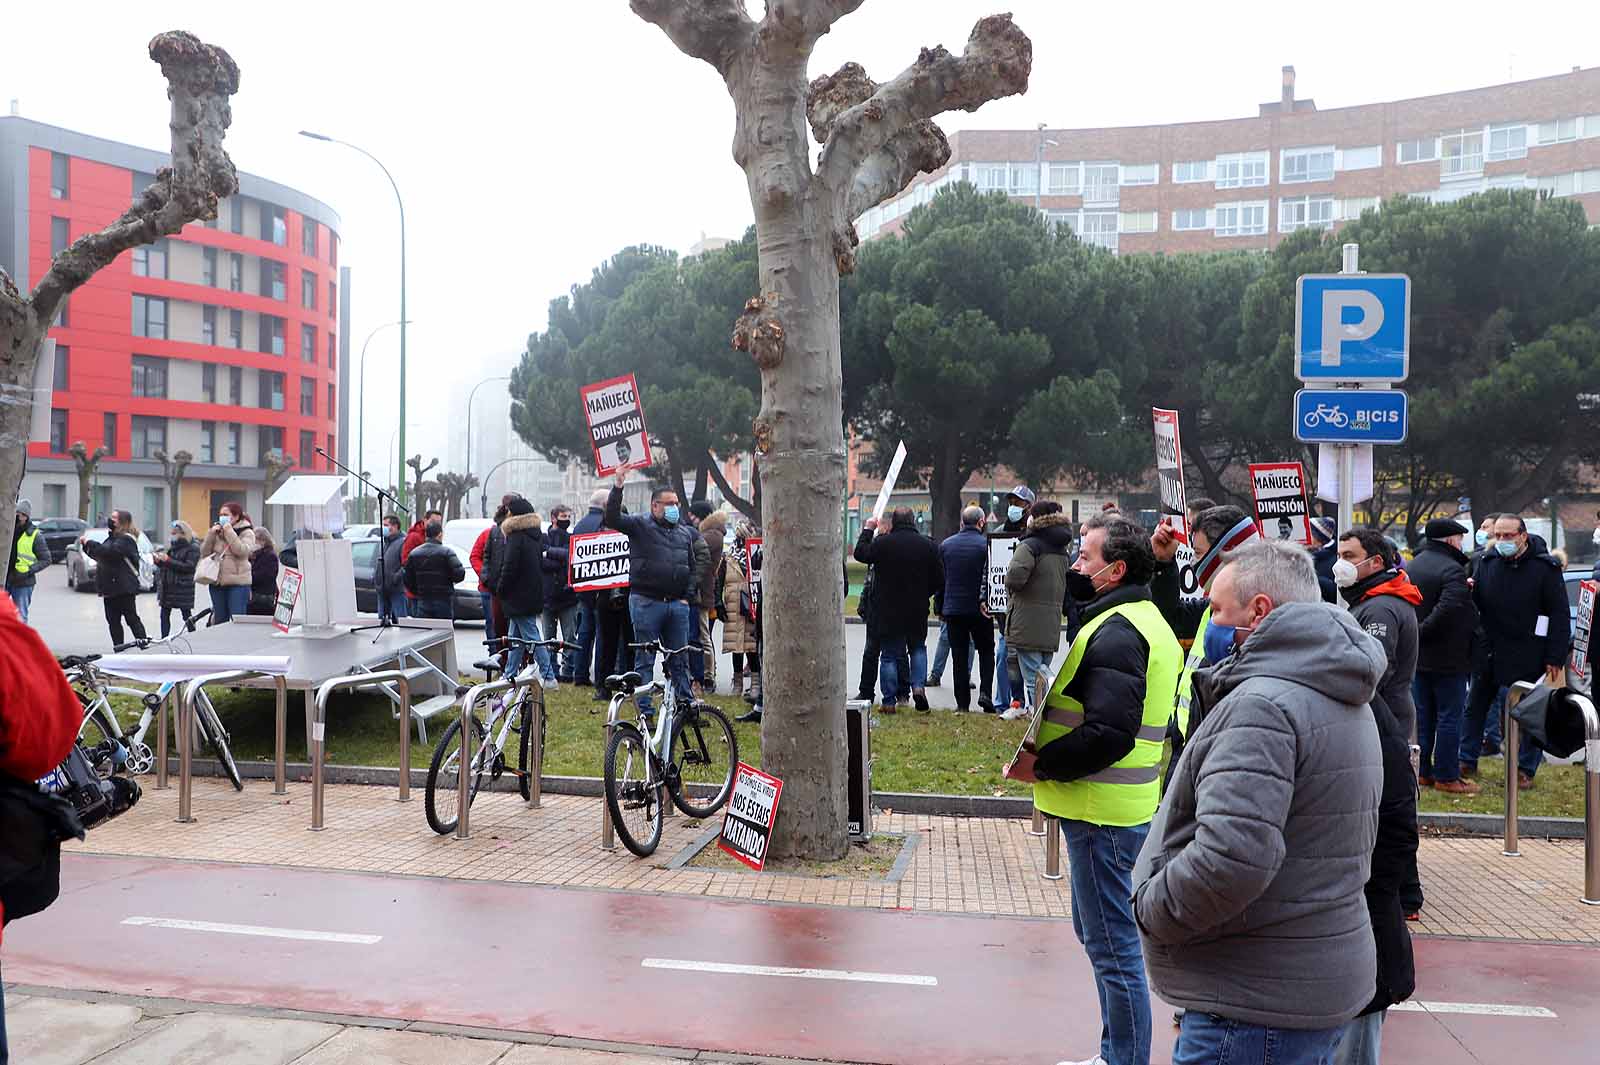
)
(1513, 738)
(1037, 828)
(186, 719)
(469, 704)
(1052, 848)
(1591, 800)
(161, 741)
(319, 728)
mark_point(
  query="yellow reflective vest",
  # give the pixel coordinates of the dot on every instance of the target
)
(1196, 659)
(27, 559)
(1126, 792)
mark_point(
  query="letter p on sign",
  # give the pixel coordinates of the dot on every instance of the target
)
(1352, 328)
(1336, 331)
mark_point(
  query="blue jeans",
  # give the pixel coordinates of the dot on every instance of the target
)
(1206, 1039)
(1529, 757)
(442, 607)
(941, 654)
(1361, 1041)
(1033, 663)
(567, 618)
(228, 601)
(1100, 863)
(524, 627)
(891, 650)
(655, 619)
(393, 604)
(22, 597)
(1441, 699)
(588, 629)
(1002, 676)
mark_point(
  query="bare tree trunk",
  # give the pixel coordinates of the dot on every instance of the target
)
(700, 475)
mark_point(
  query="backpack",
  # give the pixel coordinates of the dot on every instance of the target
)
(32, 827)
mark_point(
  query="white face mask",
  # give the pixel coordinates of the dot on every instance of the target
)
(1344, 573)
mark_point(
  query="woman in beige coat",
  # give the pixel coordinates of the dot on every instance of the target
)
(227, 550)
(738, 629)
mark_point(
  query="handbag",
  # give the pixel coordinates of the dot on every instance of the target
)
(208, 570)
(746, 608)
(1552, 720)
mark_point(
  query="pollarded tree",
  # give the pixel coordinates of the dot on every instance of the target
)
(172, 471)
(453, 488)
(875, 139)
(200, 79)
(87, 464)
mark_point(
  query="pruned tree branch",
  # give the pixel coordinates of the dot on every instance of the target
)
(715, 31)
(200, 79)
(803, 22)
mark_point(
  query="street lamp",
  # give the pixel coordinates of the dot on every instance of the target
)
(483, 494)
(470, 397)
(401, 204)
(1038, 163)
(361, 405)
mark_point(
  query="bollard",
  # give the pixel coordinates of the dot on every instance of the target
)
(464, 772)
(1052, 849)
(161, 741)
(1513, 738)
(536, 768)
(280, 729)
(1038, 823)
(185, 757)
(1591, 799)
(404, 792)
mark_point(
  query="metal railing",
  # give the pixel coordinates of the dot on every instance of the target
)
(1052, 848)
(186, 730)
(1511, 748)
(470, 698)
(319, 720)
(1591, 799)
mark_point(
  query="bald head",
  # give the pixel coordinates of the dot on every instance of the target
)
(598, 499)
(972, 517)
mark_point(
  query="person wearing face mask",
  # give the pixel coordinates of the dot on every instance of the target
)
(227, 548)
(1384, 602)
(175, 575)
(29, 555)
(1250, 890)
(1445, 626)
(661, 571)
(1481, 544)
(1036, 583)
(560, 601)
(116, 574)
(1521, 597)
(1096, 764)
(1008, 670)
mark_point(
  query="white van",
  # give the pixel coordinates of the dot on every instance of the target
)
(463, 532)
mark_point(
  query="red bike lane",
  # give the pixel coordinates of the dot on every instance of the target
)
(688, 971)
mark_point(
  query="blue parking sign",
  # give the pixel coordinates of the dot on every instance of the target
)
(1352, 327)
(1350, 416)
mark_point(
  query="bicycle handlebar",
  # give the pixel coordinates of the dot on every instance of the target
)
(76, 661)
(531, 643)
(145, 642)
(655, 647)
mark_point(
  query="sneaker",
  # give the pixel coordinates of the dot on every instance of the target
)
(1096, 1060)
(888, 708)
(1524, 781)
(985, 704)
(1490, 749)
(1456, 787)
(749, 716)
(549, 684)
(933, 682)
(1015, 712)
(921, 701)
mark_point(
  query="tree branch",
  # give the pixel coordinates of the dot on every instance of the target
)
(713, 30)
(749, 508)
(200, 79)
(802, 22)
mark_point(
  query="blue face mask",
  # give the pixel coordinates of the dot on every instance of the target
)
(1482, 538)
(1218, 642)
(1014, 513)
(671, 513)
(1507, 548)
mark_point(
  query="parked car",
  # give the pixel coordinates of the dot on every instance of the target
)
(60, 534)
(80, 567)
(364, 559)
(1575, 577)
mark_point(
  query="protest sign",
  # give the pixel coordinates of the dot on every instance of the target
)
(889, 480)
(1280, 494)
(597, 560)
(1001, 548)
(616, 425)
(752, 809)
(288, 595)
(1582, 633)
(752, 572)
(1173, 504)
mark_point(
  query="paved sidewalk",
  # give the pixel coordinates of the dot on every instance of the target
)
(59, 1028)
(956, 865)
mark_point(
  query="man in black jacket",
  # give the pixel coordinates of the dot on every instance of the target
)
(1447, 619)
(1384, 602)
(390, 579)
(965, 559)
(588, 602)
(907, 575)
(661, 569)
(518, 578)
(1522, 598)
(431, 574)
(560, 601)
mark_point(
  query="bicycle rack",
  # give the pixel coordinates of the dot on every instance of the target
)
(319, 729)
(416, 659)
(186, 719)
(1510, 748)
(469, 704)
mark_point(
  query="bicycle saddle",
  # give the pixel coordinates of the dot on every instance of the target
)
(624, 682)
(495, 662)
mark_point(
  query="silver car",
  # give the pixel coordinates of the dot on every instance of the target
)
(80, 567)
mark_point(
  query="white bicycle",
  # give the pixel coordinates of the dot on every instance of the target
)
(1324, 413)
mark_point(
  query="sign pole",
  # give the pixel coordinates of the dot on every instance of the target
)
(1347, 452)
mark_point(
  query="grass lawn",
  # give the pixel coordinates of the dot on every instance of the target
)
(1557, 792)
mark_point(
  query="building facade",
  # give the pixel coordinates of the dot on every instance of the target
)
(224, 340)
(1245, 183)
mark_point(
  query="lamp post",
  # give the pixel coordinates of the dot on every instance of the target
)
(361, 405)
(483, 493)
(1038, 163)
(401, 493)
(470, 397)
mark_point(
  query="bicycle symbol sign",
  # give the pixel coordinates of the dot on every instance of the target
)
(1349, 416)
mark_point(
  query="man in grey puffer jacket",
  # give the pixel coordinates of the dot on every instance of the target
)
(1249, 889)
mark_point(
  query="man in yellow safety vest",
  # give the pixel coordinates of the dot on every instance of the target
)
(29, 555)
(1096, 764)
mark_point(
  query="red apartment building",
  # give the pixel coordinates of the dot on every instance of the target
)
(223, 341)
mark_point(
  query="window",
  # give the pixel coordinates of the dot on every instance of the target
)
(333, 351)
(1302, 212)
(308, 290)
(308, 237)
(235, 430)
(208, 324)
(236, 216)
(1099, 229)
(100, 504)
(55, 499)
(270, 336)
(274, 226)
(1138, 221)
(58, 431)
(308, 343)
(1199, 218)
(269, 438)
(1241, 219)
(1418, 151)
(1141, 174)
(1367, 158)
(330, 409)
(274, 280)
(1305, 164)
(1185, 173)
(333, 248)
(308, 396)
(269, 393)
(150, 260)
(1508, 142)
(1024, 179)
(1353, 208)
(1562, 129)
(208, 382)
(332, 448)
(208, 267)
(235, 272)
(60, 235)
(308, 444)
(988, 176)
(149, 377)
(60, 171)
(1461, 153)
(1100, 183)
(63, 362)
(1241, 170)
(235, 386)
(149, 436)
(152, 507)
(1064, 178)
(235, 329)
(1555, 185)
(333, 300)
(108, 432)
(208, 442)
(149, 317)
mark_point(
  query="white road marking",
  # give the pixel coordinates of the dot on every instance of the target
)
(1482, 1009)
(252, 930)
(784, 970)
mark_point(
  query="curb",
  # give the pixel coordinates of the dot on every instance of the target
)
(925, 804)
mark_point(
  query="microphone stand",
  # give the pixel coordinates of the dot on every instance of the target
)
(386, 618)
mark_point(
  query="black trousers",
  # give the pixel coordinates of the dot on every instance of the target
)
(978, 631)
(120, 608)
(166, 617)
(616, 632)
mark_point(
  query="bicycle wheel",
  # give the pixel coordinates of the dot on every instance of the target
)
(704, 752)
(99, 723)
(217, 736)
(525, 742)
(443, 776)
(633, 797)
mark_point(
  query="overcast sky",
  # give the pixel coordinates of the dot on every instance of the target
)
(533, 140)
